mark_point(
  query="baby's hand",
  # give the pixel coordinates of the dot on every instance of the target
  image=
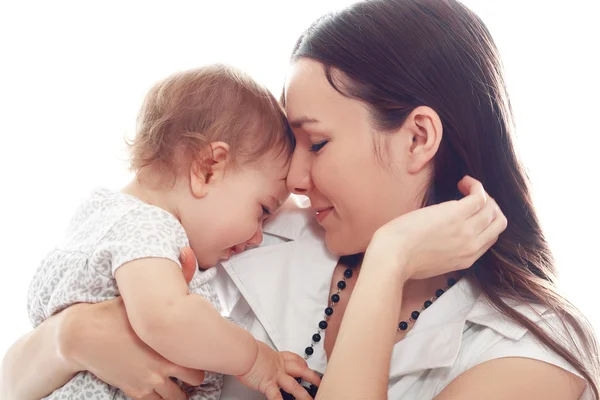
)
(273, 370)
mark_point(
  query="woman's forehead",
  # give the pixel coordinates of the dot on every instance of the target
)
(307, 86)
(312, 101)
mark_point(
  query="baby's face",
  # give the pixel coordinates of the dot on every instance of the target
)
(230, 217)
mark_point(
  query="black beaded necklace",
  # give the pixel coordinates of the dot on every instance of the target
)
(334, 299)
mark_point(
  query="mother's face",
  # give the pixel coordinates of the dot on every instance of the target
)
(336, 162)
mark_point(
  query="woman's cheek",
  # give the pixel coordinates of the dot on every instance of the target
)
(319, 173)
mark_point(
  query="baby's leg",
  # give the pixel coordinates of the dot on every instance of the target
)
(86, 386)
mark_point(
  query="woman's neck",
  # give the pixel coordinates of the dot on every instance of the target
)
(416, 292)
(414, 295)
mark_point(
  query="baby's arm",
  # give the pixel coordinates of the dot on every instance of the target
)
(183, 327)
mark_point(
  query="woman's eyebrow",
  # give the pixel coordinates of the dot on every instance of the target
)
(299, 122)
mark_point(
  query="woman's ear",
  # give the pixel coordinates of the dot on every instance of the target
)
(209, 168)
(424, 130)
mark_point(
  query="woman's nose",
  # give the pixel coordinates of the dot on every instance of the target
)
(298, 179)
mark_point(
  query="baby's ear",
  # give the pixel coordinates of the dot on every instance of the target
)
(208, 168)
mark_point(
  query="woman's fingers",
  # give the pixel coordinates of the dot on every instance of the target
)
(468, 184)
(481, 220)
(475, 196)
(484, 209)
(151, 396)
(192, 377)
(490, 235)
(188, 263)
(170, 391)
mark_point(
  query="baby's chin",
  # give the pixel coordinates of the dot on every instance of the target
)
(206, 263)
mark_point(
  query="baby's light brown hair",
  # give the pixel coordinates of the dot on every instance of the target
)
(187, 111)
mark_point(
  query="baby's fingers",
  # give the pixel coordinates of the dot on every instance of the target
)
(296, 366)
(272, 392)
(291, 386)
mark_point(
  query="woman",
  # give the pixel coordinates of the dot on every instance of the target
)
(392, 102)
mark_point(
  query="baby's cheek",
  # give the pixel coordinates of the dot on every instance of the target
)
(248, 230)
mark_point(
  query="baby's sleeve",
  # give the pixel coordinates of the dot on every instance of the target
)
(143, 232)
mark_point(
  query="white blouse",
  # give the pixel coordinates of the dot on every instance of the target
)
(280, 289)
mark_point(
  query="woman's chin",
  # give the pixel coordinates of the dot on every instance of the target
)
(342, 245)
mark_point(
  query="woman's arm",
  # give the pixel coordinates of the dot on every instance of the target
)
(360, 361)
(428, 242)
(37, 363)
(528, 378)
(96, 338)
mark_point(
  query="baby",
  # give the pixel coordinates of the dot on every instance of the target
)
(210, 157)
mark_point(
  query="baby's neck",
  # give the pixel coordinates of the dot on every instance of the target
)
(155, 196)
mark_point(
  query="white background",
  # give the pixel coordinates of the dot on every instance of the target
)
(72, 75)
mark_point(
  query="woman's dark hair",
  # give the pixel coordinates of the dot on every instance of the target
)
(396, 55)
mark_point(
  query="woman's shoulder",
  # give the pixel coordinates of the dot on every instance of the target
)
(464, 330)
(492, 335)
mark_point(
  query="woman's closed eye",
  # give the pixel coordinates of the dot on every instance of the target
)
(314, 148)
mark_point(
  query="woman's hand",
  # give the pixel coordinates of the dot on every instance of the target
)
(442, 238)
(98, 338)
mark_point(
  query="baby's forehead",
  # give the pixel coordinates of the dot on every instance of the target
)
(276, 189)
(276, 165)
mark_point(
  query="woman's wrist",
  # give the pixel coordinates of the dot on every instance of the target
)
(387, 255)
(69, 334)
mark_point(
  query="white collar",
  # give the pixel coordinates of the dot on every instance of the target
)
(288, 284)
(436, 338)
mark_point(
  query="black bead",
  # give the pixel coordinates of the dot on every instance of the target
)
(348, 273)
(309, 351)
(451, 282)
(427, 304)
(299, 380)
(415, 315)
(316, 338)
(329, 311)
(403, 326)
(323, 324)
(341, 285)
(335, 298)
(439, 292)
(313, 391)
